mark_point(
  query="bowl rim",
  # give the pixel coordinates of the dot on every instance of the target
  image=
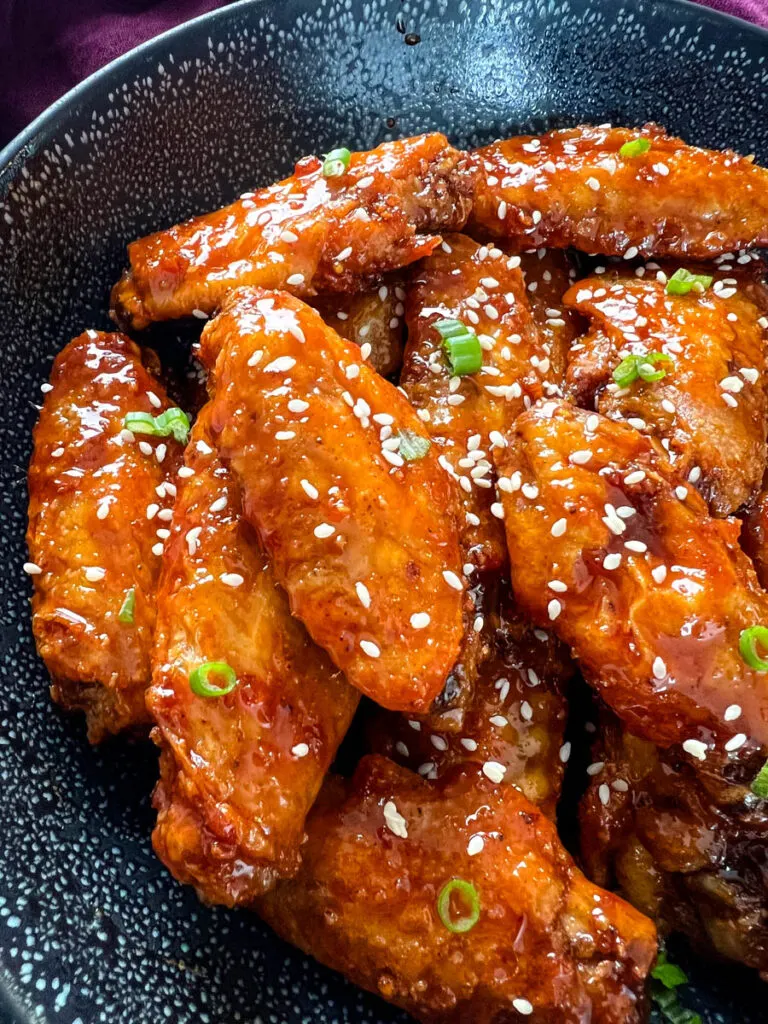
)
(24, 144)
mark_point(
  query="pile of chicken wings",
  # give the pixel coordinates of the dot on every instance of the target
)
(481, 428)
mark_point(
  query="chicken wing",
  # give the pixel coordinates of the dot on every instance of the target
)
(754, 533)
(97, 496)
(709, 407)
(307, 233)
(238, 772)
(468, 416)
(613, 551)
(575, 188)
(685, 848)
(372, 319)
(373, 899)
(363, 539)
(548, 274)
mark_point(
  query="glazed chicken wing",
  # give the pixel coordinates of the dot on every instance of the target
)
(371, 900)
(363, 539)
(98, 494)
(709, 407)
(575, 188)
(238, 772)
(611, 548)
(308, 233)
(548, 274)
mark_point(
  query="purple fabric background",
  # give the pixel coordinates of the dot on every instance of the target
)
(47, 46)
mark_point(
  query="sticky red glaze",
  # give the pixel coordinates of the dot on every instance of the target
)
(390, 527)
(708, 202)
(365, 903)
(307, 233)
(81, 463)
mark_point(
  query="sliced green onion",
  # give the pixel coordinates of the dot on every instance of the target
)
(666, 978)
(634, 148)
(412, 446)
(336, 162)
(683, 281)
(748, 641)
(472, 897)
(127, 608)
(171, 423)
(633, 367)
(199, 679)
(461, 345)
(760, 786)
(669, 974)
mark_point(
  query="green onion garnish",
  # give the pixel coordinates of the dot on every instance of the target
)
(171, 423)
(633, 367)
(634, 148)
(469, 894)
(461, 345)
(199, 679)
(669, 974)
(748, 641)
(412, 446)
(666, 978)
(760, 785)
(683, 281)
(126, 609)
(335, 163)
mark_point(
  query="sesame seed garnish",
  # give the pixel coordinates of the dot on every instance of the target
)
(219, 504)
(736, 742)
(416, 726)
(160, 452)
(631, 252)
(565, 752)
(498, 720)
(162, 533)
(659, 573)
(157, 549)
(523, 1006)
(558, 586)
(497, 510)
(475, 845)
(553, 609)
(324, 530)
(46, 387)
(636, 545)
(502, 210)
(695, 475)
(729, 400)
(363, 594)
(494, 771)
(635, 477)
(232, 579)
(438, 742)
(280, 365)
(594, 184)
(255, 359)
(452, 580)
(369, 647)
(420, 620)
(394, 820)
(732, 712)
(559, 527)
(203, 448)
(300, 750)
(696, 749)
(285, 435)
(154, 400)
(401, 749)
(668, 406)
(595, 768)
(145, 447)
(297, 405)
(612, 561)
(102, 509)
(604, 794)
(580, 458)
(152, 510)
(310, 490)
(295, 280)
(659, 668)
(468, 744)
(32, 569)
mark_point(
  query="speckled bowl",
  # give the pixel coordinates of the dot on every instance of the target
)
(92, 929)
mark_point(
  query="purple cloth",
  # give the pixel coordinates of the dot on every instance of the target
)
(47, 46)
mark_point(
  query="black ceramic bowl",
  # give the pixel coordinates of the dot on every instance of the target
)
(92, 928)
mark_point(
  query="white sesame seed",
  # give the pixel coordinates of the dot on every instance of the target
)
(732, 712)
(46, 387)
(310, 490)
(280, 365)
(475, 845)
(285, 435)
(219, 504)
(166, 514)
(612, 561)
(438, 742)
(594, 184)
(295, 280)
(256, 358)
(369, 647)
(565, 752)
(696, 749)
(324, 530)
(580, 458)
(659, 573)
(163, 534)
(468, 744)
(595, 768)
(394, 820)
(300, 750)
(559, 527)
(729, 400)
(553, 609)
(152, 510)
(636, 545)
(203, 448)
(695, 475)
(363, 594)
(593, 422)
(393, 458)
(620, 786)
(497, 510)
(32, 569)
(604, 794)
(157, 549)
(154, 400)
(659, 668)
(523, 1006)
(401, 749)
(145, 447)
(494, 771)
(498, 720)
(232, 579)
(452, 580)
(160, 452)
(501, 212)
(625, 511)
(736, 742)
(420, 620)
(635, 477)
(631, 252)
(102, 510)
(558, 586)
(297, 405)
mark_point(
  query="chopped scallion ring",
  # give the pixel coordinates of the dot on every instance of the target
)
(748, 641)
(634, 148)
(336, 162)
(683, 281)
(461, 345)
(469, 894)
(412, 446)
(171, 423)
(127, 608)
(199, 679)
(634, 367)
(669, 974)
(760, 785)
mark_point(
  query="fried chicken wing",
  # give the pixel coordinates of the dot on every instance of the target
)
(95, 497)
(621, 558)
(238, 772)
(754, 533)
(687, 849)
(364, 541)
(574, 188)
(308, 233)
(548, 274)
(546, 946)
(709, 409)
(467, 417)
(372, 319)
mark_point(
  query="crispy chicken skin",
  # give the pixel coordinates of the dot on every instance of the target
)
(685, 847)
(90, 534)
(467, 417)
(709, 410)
(548, 274)
(365, 544)
(655, 627)
(573, 188)
(239, 772)
(548, 946)
(308, 233)
(373, 318)
(515, 718)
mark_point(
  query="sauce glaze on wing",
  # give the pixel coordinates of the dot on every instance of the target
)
(364, 542)
(307, 233)
(547, 946)
(239, 772)
(573, 188)
(97, 497)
